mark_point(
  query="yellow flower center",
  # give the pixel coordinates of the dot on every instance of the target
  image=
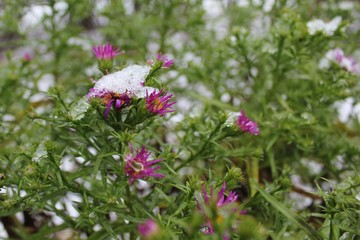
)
(219, 219)
(158, 105)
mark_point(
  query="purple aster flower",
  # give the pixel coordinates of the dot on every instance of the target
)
(27, 57)
(159, 102)
(110, 99)
(337, 55)
(106, 51)
(138, 167)
(222, 205)
(148, 229)
(163, 59)
(246, 125)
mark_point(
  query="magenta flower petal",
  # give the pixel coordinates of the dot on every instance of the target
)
(148, 229)
(348, 63)
(108, 108)
(138, 166)
(339, 55)
(27, 57)
(246, 125)
(222, 203)
(164, 59)
(110, 99)
(106, 51)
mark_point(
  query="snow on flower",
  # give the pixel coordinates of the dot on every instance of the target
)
(148, 229)
(117, 89)
(138, 166)
(106, 51)
(224, 207)
(159, 102)
(337, 56)
(111, 99)
(328, 29)
(129, 80)
(246, 125)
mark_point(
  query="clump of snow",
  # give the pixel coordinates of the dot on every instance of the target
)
(131, 80)
(46, 82)
(319, 26)
(232, 117)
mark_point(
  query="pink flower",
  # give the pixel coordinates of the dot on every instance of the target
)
(348, 63)
(159, 102)
(148, 229)
(165, 60)
(138, 167)
(110, 99)
(246, 125)
(27, 57)
(106, 52)
(339, 55)
(222, 205)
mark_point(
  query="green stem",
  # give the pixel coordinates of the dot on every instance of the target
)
(202, 149)
(278, 57)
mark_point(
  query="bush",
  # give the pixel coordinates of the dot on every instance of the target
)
(179, 120)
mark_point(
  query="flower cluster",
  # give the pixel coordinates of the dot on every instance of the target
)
(119, 88)
(319, 26)
(337, 56)
(246, 125)
(225, 207)
(138, 167)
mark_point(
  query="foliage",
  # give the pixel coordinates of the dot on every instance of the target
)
(65, 164)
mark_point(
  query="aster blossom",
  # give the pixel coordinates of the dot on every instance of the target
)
(106, 52)
(246, 125)
(27, 57)
(119, 88)
(337, 56)
(138, 166)
(110, 99)
(163, 60)
(149, 229)
(224, 207)
(158, 102)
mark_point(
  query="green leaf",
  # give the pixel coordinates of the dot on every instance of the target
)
(293, 217)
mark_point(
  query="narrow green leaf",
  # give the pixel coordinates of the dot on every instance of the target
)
(293, 217)
(164, 195)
